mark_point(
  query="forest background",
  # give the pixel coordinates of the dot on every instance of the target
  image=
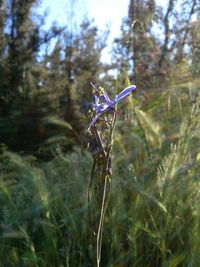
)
(45, 94)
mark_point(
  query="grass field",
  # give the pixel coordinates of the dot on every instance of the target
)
(153, 216)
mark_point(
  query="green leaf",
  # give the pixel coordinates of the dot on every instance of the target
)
(57, 121)
(176, 260)
(151, 128)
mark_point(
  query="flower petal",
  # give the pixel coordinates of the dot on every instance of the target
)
(108, 104)
(95, 119)
(106, 97)
(124, 93)
(96, 100)
(100, 107)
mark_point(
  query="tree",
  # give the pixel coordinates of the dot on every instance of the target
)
(72, 65)
(22, 40)
(19, 47)
(138, 48)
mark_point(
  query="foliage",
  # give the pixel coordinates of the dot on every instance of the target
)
(152, 219)
(154, 40)
(36, 83)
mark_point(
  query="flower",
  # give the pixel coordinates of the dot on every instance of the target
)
(108, 104)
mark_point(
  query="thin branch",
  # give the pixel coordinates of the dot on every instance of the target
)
(187, 29)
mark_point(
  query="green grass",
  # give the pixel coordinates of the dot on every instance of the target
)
(154, 211)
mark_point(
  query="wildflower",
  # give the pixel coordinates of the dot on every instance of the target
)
(108, 104)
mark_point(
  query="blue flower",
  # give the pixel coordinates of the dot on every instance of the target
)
(108, 104)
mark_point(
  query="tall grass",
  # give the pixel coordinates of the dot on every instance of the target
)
(153, 215)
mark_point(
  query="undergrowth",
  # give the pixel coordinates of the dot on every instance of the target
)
(153, 215)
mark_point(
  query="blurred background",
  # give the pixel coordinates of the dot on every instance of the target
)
(50, 51)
